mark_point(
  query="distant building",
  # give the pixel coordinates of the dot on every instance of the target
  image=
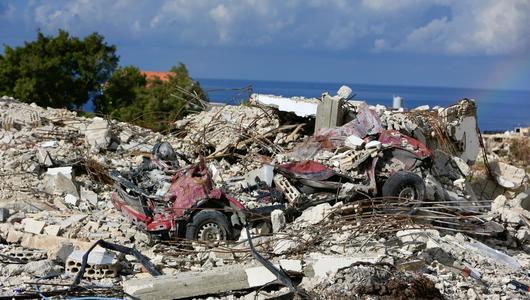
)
(151, 75)
(522, 131)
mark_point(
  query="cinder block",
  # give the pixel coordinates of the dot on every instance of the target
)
(99, 264)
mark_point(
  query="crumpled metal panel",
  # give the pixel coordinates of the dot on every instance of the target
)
(309, 169)
(397, 140)
(189, 187)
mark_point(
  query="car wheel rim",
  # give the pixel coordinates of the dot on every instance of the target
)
(407, 193)
(210, 232)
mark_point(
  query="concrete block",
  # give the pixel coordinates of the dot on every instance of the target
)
(258, 276)
(100, 263)
(97, 134)
(14, 236)
(71, 199)
(315, 214)
(26, 254)
(66, 171)
(353, 142)
(61, 251)
(291, 265)
(52, 230)
(98, 256)
(59, 184)
(264, 173)
(33, 226)
(49, 243)
(287, 188)
(89, 196)
(344, 92)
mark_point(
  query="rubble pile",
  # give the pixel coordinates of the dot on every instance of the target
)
(512, 147)
(386, 204)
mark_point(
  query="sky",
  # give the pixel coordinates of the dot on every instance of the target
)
(451, 43)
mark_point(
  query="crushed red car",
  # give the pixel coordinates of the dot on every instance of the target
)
(389, 171)
(192, 208)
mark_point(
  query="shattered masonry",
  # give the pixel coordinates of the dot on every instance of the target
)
(345, 198)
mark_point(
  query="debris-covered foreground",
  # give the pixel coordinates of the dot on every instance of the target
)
(341, 200)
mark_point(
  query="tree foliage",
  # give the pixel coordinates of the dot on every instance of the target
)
(154, 104)
(57, 71)
(120, 90)
(65, 71)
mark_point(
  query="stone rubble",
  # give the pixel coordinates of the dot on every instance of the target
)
(55, 203)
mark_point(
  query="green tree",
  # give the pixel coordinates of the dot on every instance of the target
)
(120, 91)
(57, 71)
(155, 104)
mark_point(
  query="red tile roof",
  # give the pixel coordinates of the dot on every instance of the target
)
(150, 75)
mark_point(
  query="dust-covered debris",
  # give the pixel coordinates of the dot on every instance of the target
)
(388, 203)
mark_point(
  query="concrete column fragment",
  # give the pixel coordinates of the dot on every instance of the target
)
(329, 112)
(195, 284)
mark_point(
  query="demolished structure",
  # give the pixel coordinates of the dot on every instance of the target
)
(330, 199)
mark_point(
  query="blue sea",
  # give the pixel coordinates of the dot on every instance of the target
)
(498, 110)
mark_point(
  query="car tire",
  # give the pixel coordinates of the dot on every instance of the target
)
(404, 185)
(209, 226)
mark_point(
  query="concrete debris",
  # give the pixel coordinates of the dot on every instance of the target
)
(44, 157)
(330, 113)
(97, 133)
(278, 220)
(100, 264)
(324, 266)
(42, 268)
(300, 106)
(33, 226)
(4, 214)
(315, 214)
(192, 284)
(346, 199)
(508, 176)
(60, 183)
(71, 199)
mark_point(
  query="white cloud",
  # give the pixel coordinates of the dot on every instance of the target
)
(453, 27)
(476, 27)
(392, 5)
(223, 18)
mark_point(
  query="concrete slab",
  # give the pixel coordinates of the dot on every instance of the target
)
(33, 226)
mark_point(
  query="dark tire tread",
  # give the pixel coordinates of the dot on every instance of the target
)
(395, 183)
(208, 216)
